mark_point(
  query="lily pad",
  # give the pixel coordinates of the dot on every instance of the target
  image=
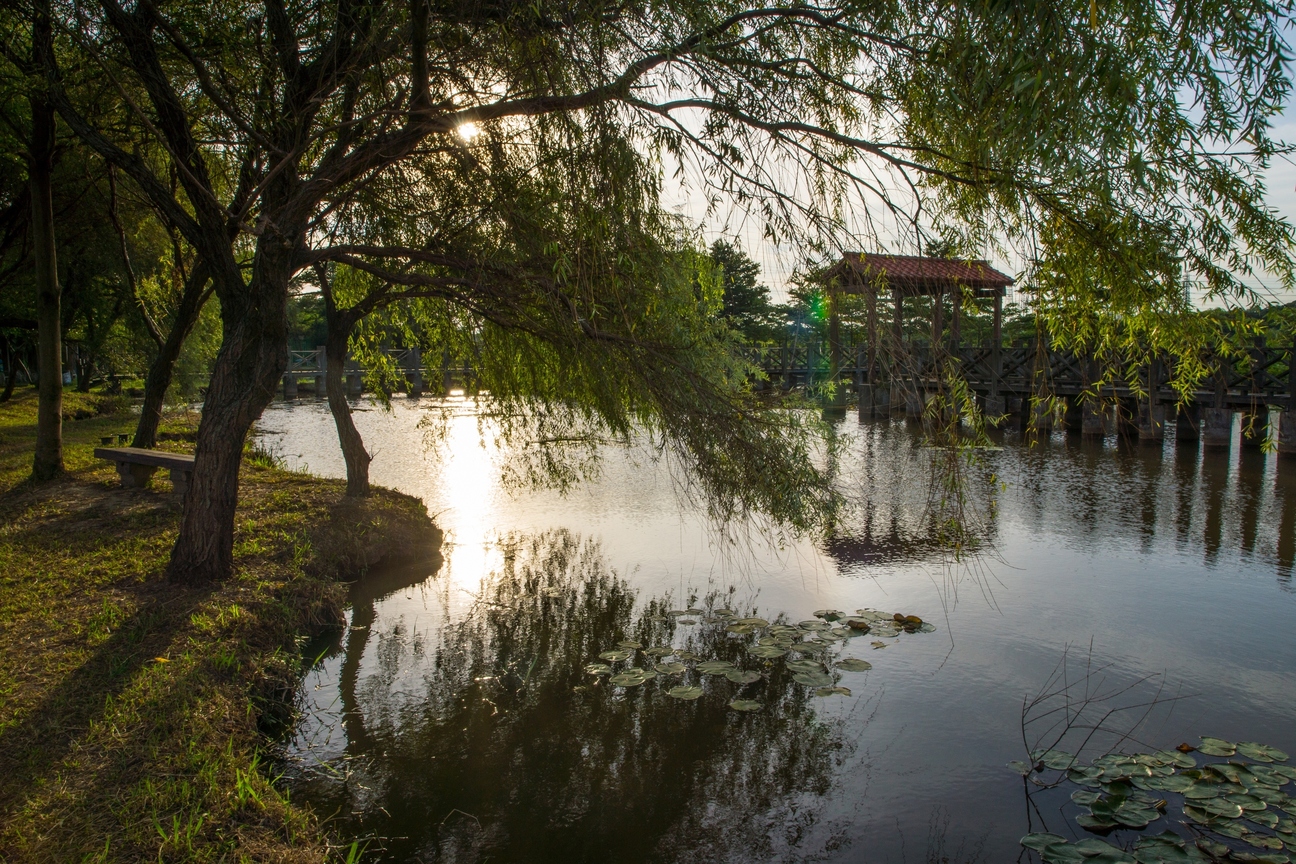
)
(1221, 807)
(677, 613)
(1136, 817)
(1177, 759)
(715, 667)
(753, 622)
(598, 669)
(670, 668)
(1062, 853)
(1039, 841)
(1095, 822)
(740, 629)
(659, 651)
(1058, 760)
(615, 655)
(830, 614)
(632, 677)
(813, 679)
(766, 652)
(687, 622)
(1268, 819)
(804, 665)
(1097, 851)
(813, 626)
(1246, 802)
(745, 705)
(687, 693)
(852, 664)
(833, 691)
(1217, 746)
(728, 613)
(1202, 791)
(1163, 854)
(877, 645)
(1020, 767)
(630, 644)
(1173, 783)
(1260, 752)
(1084, 797)
(742, 676)
(884, 632)
(1262, 841)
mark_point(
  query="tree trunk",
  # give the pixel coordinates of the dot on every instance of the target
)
(85, 363)
(11, 369)
(163, 367)
(48, 461)
(353, 449)
(251, 362)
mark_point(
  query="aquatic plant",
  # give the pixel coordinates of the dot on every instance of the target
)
(1224, 804)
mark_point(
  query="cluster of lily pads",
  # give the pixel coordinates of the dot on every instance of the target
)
(1233, 800)
(804, 648)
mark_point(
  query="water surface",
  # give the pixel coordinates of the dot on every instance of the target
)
(452, 720)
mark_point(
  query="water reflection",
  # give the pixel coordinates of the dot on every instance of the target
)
(504, 749)
(1163, 558)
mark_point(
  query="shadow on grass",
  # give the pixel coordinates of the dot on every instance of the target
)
(34, 748)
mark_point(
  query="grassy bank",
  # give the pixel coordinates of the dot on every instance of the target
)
(134, 712)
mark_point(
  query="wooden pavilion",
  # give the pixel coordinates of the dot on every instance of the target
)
(901, 276)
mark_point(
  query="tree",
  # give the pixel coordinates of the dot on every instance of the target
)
(1006, 117)
(747, 303)
(48, 460)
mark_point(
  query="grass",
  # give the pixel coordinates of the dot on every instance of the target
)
(134, 713)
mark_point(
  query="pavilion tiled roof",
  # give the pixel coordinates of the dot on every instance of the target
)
(917, 275)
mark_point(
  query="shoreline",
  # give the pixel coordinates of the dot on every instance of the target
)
(136, 715)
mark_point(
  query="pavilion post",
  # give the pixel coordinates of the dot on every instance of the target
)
(834, 354)
(938, 319)
(995, 401)
(867, 397)
(956, 308)
(897, 350)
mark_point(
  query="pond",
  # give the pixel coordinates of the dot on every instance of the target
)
(455, 719)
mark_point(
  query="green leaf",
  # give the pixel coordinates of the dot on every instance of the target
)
(852, 664)
(742, 676)
(1217, 746)
(598, 669)
(745, 705)
(1039, 841)
(833, 691)
(687, 693)
(1260, 752)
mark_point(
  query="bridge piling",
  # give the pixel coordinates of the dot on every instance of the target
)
(1286, 436)
(1188, 424)
(1093, 418)
(1151, 421)
(1255, 426)
(290, 387)
(1216, 427)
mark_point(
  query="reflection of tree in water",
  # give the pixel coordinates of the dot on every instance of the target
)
(511, 752)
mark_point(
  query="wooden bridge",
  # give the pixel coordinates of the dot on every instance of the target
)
(408, 363)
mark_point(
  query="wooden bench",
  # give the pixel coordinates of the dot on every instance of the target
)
(136, 465)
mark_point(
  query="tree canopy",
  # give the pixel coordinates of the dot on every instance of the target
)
(1121, 144)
